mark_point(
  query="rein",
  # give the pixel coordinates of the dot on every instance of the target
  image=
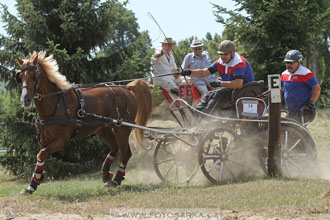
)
(67, 119)
(81, 113)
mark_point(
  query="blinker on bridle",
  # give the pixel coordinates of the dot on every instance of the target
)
(36, 75)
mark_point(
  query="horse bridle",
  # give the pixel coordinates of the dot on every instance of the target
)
(36, 72)
(36, 76)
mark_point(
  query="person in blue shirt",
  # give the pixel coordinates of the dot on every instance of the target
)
(300, 87)
(234, 71)
(199, 59)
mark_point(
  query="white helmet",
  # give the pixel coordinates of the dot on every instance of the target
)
(293, 55)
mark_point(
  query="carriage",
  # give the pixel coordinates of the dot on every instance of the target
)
(219, 144)
(232, 144)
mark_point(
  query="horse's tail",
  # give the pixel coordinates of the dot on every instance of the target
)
(144, 101)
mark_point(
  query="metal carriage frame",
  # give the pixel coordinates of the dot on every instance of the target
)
(229, 148)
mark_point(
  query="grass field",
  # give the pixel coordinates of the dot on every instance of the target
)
(84, 197)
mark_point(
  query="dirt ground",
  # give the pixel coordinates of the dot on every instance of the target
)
(160, 114)
(223, 215)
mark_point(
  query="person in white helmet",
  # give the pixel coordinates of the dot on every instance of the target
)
(301, 89)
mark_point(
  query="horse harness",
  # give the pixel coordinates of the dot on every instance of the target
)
(67, 119)
(82, 113)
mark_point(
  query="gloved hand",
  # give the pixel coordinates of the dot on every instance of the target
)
(175, 91)
(310, 105)
(216, 84)
(186, 73)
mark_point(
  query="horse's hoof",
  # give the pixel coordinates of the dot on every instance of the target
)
(110, 184)
(107, 176)
(26, 192)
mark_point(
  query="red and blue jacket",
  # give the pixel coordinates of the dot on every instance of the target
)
(298, 88)
(237, 68)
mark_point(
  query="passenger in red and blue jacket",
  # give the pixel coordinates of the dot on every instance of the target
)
(234, 71)
(301, 89)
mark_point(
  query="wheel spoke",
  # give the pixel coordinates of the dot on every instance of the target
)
(220, 140)
(299, 155)
(295, 164)
(287, 167)
(238, 164)
(213, 166)
(214, 146)
(231, 173)
(237, 150)
(211, 156)
(176, 175)
(230, 141)
(165, 161)
(286, 140)
(294, 145)
(221, 170)
(168, 171)
(163, 149)
(173, 149)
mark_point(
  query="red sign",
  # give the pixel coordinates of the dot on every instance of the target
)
(185, 91)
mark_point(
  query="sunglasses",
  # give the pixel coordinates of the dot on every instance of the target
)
(197, 48)
(289, 63)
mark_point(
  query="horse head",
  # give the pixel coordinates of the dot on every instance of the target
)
(28, 76)
(39, 76)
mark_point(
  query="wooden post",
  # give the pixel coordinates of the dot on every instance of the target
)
(274, 126)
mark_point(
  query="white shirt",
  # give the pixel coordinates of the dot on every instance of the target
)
(164, 64)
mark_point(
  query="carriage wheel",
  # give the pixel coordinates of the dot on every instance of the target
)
(298, 152)
(175, 162)
(223, 156)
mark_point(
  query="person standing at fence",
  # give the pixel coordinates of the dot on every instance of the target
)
(163, 63)
(301, 89)
(199, 59)
(234, 71)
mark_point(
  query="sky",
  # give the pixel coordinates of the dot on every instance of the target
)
(179, 19)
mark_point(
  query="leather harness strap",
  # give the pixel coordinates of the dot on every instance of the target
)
(79, 122)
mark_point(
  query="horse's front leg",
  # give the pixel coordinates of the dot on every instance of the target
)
(122, 136)
(38, 175)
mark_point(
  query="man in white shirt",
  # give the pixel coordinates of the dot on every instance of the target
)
(164, 64)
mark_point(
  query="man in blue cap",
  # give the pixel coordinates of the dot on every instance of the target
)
(301, 89)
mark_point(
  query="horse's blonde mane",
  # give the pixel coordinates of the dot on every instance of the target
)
(50, 66)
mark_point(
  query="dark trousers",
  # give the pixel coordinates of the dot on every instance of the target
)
(306, 115)
(214, 100)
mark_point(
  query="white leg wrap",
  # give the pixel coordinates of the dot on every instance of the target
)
(30, 189)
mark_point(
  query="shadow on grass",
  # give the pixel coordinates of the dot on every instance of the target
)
(86, 194)
(97, 192)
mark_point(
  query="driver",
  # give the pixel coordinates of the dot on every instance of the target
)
(234, 71)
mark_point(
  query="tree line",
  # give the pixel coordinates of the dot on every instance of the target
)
(97, 41)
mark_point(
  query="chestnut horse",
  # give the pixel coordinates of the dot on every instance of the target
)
(66, 111)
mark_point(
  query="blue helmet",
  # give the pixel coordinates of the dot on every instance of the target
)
(293, 55)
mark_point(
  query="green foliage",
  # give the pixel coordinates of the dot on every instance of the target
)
(157, 95)
(17, 135)
(92, 41)
(268, 29)
(20, 139)
(210, 44)
(75, 33)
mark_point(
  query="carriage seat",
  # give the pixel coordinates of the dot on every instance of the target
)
(250, 89)
(250, 107)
